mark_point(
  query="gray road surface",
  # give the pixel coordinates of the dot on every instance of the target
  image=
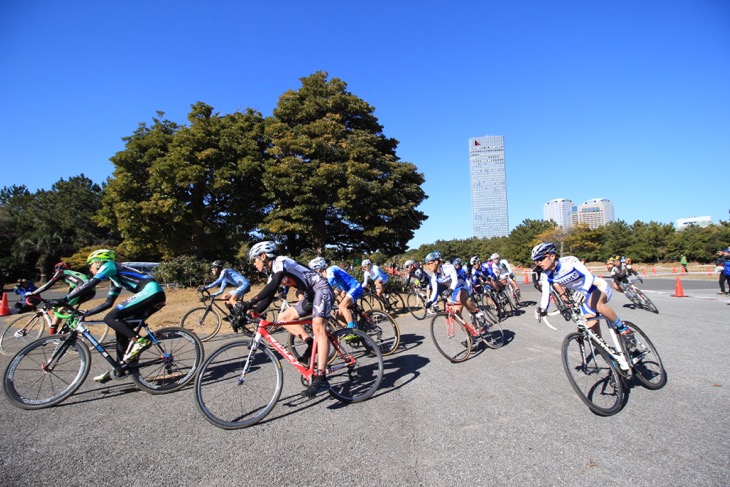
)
(505, 417)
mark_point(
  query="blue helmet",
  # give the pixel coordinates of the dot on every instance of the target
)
(435, 255)
(542, 249)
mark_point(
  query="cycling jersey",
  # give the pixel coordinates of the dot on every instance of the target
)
(420, 276)
(570, 273)
(343, 281)
(318, 297)
(447, 277)
(374, 273)
(230, 277)
(73, 279)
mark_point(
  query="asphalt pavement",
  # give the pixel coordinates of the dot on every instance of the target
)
(505, 417)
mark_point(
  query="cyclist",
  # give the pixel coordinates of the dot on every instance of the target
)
(73, 279)
(444, 278)
(415, 272)
(147, 298)
(318, 301)
(570, 273)
(378, 276)
(341, 282)
(501, 266)
(227, 277)
(620, 273)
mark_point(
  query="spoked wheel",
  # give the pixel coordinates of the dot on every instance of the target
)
(645, 302)
(203, 321)
(357, 369)
(647, 365)
(593, 375)
(230, 401)
(382, 328)
(416, 305)
(20, 332)
(30, 384)
(297, 346)
(171, 365)
(451, 338)
(395, 303)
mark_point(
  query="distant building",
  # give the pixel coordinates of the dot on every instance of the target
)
(488, 186)
(594, 213)
(700, 221)
(559, 211)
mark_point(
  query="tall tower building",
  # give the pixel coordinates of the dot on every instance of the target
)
(559, 211)
(488, 186)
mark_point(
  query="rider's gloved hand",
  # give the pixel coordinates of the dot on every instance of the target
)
(541, 312)
(201, 289)
(640, 279)
(244, 306)
(429, 304)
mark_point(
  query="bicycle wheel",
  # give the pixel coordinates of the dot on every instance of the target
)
(645, 302)
(203, 321)
(297, 346)
(28, 384)
(490, 312)
(396, 304)
(510, 293)
(451, 338)
(382, 328)
(357, 369)
(373, 302)
(20, 332)
(647, 365)
(493, 336)
(593, 375)
(416, 305)
(229, 401)
(171, 365)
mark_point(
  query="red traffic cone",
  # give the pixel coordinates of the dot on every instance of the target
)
(678, 291)
(4, 308)
(527, 281)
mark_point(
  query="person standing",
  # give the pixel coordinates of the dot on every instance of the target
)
(683, 263)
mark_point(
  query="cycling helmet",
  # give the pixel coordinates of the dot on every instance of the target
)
(366, 262)
(266, 247)
(435, 255)
(542, 249)
(101, 255)
(61, 266)
(494, 256)
(217, 264)
(408, 263)
(474, 260)
(456, 261)
(318, 263)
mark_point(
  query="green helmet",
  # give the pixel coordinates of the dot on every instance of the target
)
(101, 255)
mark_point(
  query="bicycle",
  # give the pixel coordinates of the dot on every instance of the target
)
(453, 335)
(241, 382)
(563, 306)
(502, 304)
(26, 328)
(52, 368)
(637, 296)
(599, 372)
(205, 321)
(416, 302)
(511, 290)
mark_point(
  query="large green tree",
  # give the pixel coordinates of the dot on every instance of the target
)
(189, 190)
(337, 180)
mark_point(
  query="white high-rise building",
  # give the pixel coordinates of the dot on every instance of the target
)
(488, 186)
(559, 211)
(595, 213)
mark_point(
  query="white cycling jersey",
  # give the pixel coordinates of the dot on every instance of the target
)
(571, 274)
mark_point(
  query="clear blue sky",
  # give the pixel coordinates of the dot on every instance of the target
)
(623, 100)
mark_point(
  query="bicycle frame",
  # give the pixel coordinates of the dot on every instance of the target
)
(454, 316)
(262, 332)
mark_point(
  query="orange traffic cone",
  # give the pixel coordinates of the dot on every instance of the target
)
(527, 281)
(678, 291)
(4, 308)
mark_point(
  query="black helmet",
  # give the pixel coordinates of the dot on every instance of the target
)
(217, 264)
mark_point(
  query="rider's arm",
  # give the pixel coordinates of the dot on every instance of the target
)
(50, 283)
(114, 291)
(266, 295)
(545, 298)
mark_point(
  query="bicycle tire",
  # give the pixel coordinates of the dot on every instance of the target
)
(396, 303)
(510, 293)
(416, 305)
(28, 328)
(382, 328)
(357, 369)
(374, 302)
(647, 366)
(645, 302)
(225, 401)
(593, 375)
(171, 365)
(296, 346)
(451, 338)
(204, 321)
(28, 386)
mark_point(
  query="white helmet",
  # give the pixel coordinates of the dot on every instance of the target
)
(366, 262)
(474, 260)
(408, 263)
(266, 247)
(318, 263)
(494, 256)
